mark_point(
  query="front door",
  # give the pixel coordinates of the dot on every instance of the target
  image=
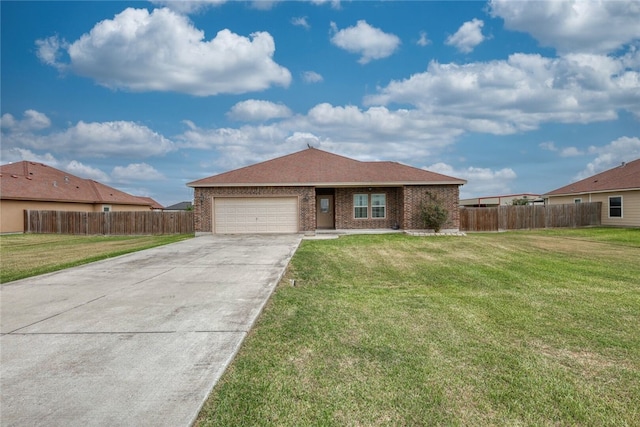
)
(324, 211)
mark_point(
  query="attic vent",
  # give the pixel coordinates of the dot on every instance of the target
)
(623, 164)
(55, 183)
(29, 178)
(14, 176)
(66, 179)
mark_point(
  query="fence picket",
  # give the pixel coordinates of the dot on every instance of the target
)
(529, 217)
(108, 223)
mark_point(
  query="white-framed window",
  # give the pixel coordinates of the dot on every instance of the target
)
(615, 206)
(378, 206)
(577, 200)
(360, 206)
(106, 208)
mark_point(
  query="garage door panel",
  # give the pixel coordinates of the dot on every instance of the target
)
(256, 215)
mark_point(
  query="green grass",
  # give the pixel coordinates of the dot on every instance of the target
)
(529, 328)
(25, 255)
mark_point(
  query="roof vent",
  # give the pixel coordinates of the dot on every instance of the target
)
(623, 164)
(14, 176)
(66, 179)
(55, 183)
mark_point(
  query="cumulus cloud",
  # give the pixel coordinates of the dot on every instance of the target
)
(623, 149)
(188, 6)
(520, 93)
(468, 36)
(32, 121)
(363, 39)
(480, 181)
(136, 172)
(301, 21)
(311, 77)
(571, 152)
(17, 154)
(599, 26)
(85, 171)
(423, 40)
(548, 145)
(97, 139)
(257, 110)
(163, 51)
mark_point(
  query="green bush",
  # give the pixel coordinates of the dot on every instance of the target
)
(432, 214)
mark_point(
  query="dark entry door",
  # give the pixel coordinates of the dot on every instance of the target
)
(324, 211)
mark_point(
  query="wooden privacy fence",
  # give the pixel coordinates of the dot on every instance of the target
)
(530, 216)
(108, 223)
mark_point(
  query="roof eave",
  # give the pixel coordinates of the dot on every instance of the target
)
(580, 193)
(327, 184)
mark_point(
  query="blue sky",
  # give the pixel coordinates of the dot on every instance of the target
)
(513, 96)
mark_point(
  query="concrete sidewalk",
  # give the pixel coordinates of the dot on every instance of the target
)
(136, 340)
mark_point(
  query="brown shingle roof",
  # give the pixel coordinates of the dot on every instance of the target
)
(317, 167)
(623, 177)
(35, 181)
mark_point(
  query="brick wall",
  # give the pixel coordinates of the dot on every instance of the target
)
(203, 203)
(448, 195)
(345, 213)
(402, 205)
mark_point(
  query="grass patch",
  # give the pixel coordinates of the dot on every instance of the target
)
(25, 255)
(528, 328)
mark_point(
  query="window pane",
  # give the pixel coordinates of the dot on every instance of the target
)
(360, 205)
(378, 205)
(377, 212)
(615, 207)
(361, 213)
(378, 200)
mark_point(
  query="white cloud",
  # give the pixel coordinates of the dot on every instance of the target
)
(423, 40)
(549, 146)
(301, 22)
(571, 152)
(84, 171)
(49, 51)
(135, 172)
(594, 26)
(468, 36)
(97, 139)
(480, 181)
(257, 110)
(311, 77)
(520, 93)
(365, 40)
(163, 51)
(623, 149)
(16, 154)
(32, 121)
(188, 6)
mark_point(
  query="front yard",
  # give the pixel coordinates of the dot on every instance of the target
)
(25, 255)
(522, 328)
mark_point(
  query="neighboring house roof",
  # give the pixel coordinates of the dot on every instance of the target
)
(623, 177)
(182, 206)
(320, 168)
(35, 181)
(154, 204)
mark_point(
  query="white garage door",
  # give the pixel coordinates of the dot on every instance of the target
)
(255, 215)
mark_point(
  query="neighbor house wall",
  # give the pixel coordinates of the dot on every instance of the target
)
(345, 215)
(630, 206)
(447, 195)
(12, 211)
(203, 203)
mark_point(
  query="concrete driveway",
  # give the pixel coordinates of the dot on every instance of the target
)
(137, 340)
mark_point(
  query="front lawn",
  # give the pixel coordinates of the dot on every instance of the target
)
(25, 255)
(523, 328)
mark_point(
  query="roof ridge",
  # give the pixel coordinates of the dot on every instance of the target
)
(94, 187)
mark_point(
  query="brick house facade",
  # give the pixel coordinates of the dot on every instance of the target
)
(303, 177)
